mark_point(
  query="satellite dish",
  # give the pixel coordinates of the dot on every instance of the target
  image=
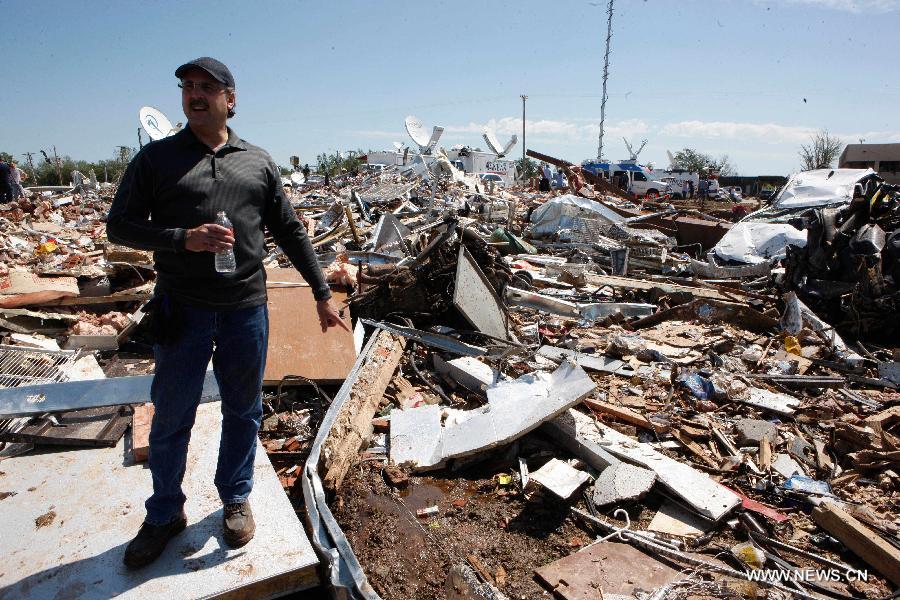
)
(419, 134)
(297, 178)
(672, 163)
(490, 138)
(155, 123)
(397, 146)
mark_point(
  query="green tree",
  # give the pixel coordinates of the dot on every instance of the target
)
(703, 164)
(526, 168)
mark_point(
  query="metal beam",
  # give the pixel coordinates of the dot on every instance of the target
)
(73, 395)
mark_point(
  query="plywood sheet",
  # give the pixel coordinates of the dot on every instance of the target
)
(604, 570)
(297, 345)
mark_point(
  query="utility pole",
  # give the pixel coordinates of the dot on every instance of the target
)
(140, 141)
(58, 166)
(524, 98)
(609, 12)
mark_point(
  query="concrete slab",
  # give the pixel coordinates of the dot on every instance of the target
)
(591, 362)
(750, 432)
(73, 513)
(514, 408)
(579, 439)
(701, 493)
(469, 372)
(560, 478)
(416, 435)
(786, 466)
(674, 519)
(621, 482)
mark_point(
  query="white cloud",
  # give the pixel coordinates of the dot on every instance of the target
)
(772, 133)
(769, 132)
(853, 6)
(545, 129)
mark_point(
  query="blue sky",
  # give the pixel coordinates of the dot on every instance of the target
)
(722, 76)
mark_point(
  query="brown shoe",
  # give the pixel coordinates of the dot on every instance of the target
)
(150, 542)
(238, 523)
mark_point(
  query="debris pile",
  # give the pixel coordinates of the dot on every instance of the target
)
(576, 391)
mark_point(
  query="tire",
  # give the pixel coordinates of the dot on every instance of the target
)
(652, 194)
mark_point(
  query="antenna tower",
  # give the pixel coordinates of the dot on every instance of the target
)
(609, 12)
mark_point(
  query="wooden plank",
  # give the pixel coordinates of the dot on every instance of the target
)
(868, 545)
(765, 454)
(629, 283)
(140, 431)
(623, 414)
(297, 345)
(353, 424)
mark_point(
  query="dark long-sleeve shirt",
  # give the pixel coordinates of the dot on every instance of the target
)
(179, 183)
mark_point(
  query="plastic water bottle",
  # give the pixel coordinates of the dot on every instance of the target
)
(225, 259)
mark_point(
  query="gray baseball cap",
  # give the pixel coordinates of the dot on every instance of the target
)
(215, 68)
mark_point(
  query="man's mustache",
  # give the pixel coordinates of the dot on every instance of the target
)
(199, 105)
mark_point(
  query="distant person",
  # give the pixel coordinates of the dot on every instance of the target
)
(684, 189)
(5, 181)
(704, 189)
(306, 171)
(690, 189)
(16, 176)
(544, 185)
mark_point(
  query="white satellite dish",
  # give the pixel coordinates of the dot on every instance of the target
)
(155, 123)
(490, 138)
(297, 178)
(672, 163)
(419, 134)
(397, 146)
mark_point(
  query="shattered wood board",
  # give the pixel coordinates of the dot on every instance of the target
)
(93, 501)
(695, 487)
(605, 570)
(23, 288)
(140, 431)
(514, 408)
(297, 345)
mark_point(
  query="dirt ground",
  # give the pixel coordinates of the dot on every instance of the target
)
(479, 515)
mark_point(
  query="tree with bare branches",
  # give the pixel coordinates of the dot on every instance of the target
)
(821, 152)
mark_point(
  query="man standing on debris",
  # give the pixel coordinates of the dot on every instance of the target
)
(167, 202)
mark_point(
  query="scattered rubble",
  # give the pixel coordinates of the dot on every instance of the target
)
(576, 391)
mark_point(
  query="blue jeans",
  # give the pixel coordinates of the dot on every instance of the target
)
(236, 340)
